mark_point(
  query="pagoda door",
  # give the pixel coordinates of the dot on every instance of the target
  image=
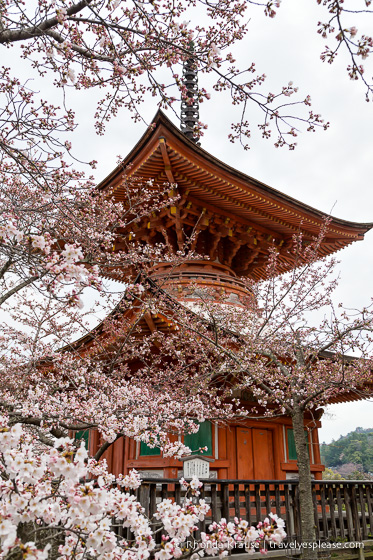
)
(254, 454)
(245, 465)
(263, 454)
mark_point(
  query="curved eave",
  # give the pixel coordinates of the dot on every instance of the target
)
(350, 397)
(162, 322)
(247, 186)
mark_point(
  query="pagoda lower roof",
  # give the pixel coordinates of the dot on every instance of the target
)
(142, 322)
(233, 205)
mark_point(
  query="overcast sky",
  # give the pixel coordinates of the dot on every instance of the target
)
(331, 171)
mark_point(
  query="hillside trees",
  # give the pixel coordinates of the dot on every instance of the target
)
(356, 447)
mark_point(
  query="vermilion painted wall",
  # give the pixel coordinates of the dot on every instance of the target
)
(254, 450)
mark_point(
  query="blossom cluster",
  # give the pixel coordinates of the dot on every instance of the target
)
(64, 266)
(179, 522)
(71, 500)
(225, 536)
(52, 489)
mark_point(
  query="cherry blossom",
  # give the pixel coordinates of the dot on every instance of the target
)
(68, 363)
(52, 490)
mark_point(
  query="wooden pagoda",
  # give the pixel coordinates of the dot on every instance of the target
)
(235, 219)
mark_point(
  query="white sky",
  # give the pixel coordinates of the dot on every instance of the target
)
(331, 171)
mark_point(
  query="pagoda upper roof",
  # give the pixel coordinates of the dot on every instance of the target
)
(248, 215)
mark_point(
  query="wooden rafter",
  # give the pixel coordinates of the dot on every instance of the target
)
(237, 207)
(149, 321)
(166, 160)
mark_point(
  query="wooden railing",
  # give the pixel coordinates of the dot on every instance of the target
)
(343, 510)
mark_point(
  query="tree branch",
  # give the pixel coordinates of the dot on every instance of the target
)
(18, 288)
(12, 36)
(105, 447)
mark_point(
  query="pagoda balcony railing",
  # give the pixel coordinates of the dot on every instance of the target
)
(185, 279)
(343, 510)
(201, 276)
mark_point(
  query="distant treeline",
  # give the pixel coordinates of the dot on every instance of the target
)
(355, 449)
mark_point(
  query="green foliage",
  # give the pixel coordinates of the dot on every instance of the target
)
(357, 475)
(356, 447)
(329, 474)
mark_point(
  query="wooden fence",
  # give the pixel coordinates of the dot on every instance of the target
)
(343, 510)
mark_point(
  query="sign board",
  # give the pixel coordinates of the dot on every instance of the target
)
(196, 466)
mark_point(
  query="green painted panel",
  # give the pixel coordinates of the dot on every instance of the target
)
(83, 435)
(291, 444)
(146, 450)
(203, 438)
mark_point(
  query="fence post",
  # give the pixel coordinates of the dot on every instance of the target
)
(144, 497)
(225, 500)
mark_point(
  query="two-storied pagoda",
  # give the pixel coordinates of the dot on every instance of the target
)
(235, 220)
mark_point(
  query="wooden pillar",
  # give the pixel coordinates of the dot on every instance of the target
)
(118, 457)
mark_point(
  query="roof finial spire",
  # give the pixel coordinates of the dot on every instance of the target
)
(189, 102)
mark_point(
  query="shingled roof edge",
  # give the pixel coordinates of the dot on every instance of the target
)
(161, 119)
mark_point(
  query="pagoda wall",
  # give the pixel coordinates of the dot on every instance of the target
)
(250, 450)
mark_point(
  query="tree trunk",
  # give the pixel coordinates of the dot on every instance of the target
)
(40, 535)
(308, 534)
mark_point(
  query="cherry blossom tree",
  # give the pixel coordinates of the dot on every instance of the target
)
(55, 500)
(50, 509)
(114, 379)
(133, 50)
(56, 243)
(288, 350)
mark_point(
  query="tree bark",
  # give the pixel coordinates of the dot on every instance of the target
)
(308, 534)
